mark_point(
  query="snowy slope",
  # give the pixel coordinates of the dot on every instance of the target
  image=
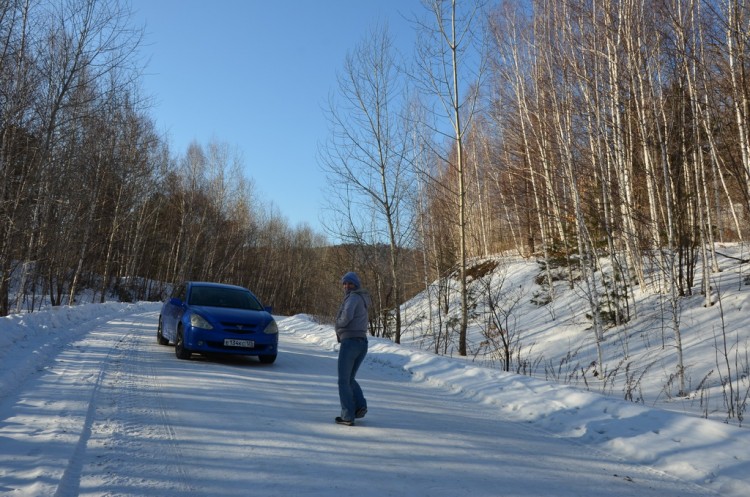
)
(556, 342)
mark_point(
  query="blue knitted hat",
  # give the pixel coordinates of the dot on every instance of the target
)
(352, 278)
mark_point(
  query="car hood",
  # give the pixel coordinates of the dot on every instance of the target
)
(231, 315)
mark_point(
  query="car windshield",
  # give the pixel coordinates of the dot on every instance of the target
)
(224, 297)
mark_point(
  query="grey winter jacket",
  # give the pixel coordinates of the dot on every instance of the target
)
(351, 320)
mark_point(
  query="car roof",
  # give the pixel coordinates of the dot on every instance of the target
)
(216, 285)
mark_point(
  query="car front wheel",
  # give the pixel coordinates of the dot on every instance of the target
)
(179, 346)
(267, 359)
(160, 336)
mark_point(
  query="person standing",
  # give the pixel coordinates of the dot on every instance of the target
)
(351, 333)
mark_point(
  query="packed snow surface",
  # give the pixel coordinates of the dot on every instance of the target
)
(91, 405)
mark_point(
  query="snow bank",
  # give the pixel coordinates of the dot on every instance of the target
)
(693, 449)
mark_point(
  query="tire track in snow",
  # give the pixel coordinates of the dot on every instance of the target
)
(119, 443)
(145, 393)
(70, 482)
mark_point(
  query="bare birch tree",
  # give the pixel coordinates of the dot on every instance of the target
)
(451, 60)
(737, 26)
(367, 158)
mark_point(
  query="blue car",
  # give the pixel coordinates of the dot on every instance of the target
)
(210, 318)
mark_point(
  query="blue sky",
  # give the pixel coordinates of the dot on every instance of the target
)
(256, 75)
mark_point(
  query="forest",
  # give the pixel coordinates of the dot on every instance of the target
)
(563, 131)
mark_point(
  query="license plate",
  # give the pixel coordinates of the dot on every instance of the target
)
(229, 342)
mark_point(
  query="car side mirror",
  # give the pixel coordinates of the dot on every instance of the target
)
(175, 301)
(268, 309)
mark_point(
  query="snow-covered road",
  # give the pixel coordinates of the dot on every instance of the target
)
(115, 414)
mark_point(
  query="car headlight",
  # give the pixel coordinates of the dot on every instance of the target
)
(271, 328)
(198, 321)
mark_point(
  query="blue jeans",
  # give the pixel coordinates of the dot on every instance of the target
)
(351, 354)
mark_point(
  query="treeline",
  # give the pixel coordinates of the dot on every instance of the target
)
(92, 199)
(615, 129)
(619, 126)
(564, 130)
